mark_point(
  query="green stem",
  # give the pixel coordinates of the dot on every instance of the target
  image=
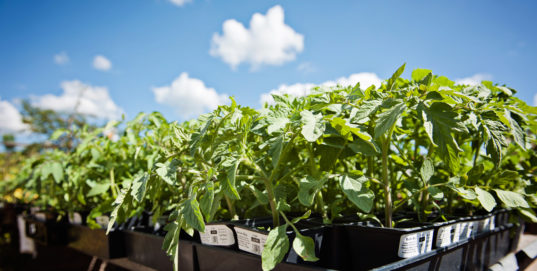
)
(478, 147)
(272, 202)
(387, 186)
(113, 183)
(231, 207)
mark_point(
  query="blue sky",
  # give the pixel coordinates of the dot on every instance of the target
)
(48, 48)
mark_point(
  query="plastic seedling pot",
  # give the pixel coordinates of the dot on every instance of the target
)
(474, 253)
(252, 234)
(220, 258)
(371, 246)
(95, 242)
(46, 231)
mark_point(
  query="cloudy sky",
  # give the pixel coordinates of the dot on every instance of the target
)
(185, 57)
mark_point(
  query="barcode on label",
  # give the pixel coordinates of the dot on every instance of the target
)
(215, 239)
(256, 249)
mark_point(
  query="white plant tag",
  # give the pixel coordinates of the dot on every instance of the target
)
(416, 243)
(486, 224)
(217, 235)
(466, 229)
(40, 217)
(102, 221)
(448, 235)
(250, 241)
(75, 219)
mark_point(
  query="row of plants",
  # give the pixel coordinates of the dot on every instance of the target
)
(423, 149)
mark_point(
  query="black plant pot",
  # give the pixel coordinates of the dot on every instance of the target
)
(369, 246)
(146, 249)
(475, 253)
(95, 242)
(251, 235)
(47, 232)
(223, 259)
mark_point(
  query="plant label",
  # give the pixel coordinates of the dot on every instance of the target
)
(448, 235)
(40, 217)
(102, 221)
(75, 219)
(486, 224)
(250, 241)
(416, 243)
(217, 235)
(467, 229)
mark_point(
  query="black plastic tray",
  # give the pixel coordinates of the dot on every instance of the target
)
(95, 242)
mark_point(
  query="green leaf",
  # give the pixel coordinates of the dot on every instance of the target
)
(139, 186)
(387, 119)
(465, 193)
(364, 147)
(308, 188)
(357, 192)
(518, 133)
(276, 247)
(97, 189)
(440, 121)
(305, 247)
(393, 79)
(418, 74)
(427, 170)
(486, 199)
(206, 202)
(528, 214)
(312, 125)
(229, 183)
(56, 169)
(435, 192)
(365, 110)
(192, 214)
(494, 130)
(511, 199)
(277, 124)
(58, 133)
(276, 147)
(168, 171)
(117, 205)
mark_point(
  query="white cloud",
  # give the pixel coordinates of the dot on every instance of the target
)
(268, 41)
(10, 119)
(474, 79)
(180, 3)
(189, 96)
(88, 100)
(306, 67)
(101, 63)
(61, 58)
(366, 79)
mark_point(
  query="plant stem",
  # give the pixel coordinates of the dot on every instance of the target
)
(477, 152)
(386, 181)
(231, 207)
(113, 183)
(272, 202)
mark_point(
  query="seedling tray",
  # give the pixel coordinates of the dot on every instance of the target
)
(95, 242)
(219, 258)
(476, 253)
(46, 232)
(146, 249)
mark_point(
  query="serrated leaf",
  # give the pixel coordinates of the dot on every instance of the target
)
(435, 192)
(192, 214)
(276, 247)
(312, 125)
(56, 169)
(511, 199)
(465, 193)
(206, 202)
(365, 110)
(139, 186)
(308, 188)
(393, 79)
(305, 247)
(440, 121)
(419, 74)
(276, 124)
(364, 147)
(427, 170)
(388, 118)
(57, 134)
(229, 183)
(486, 199)
(117, 205)
(168, 171)
(494, 130)
(356, 192)
(275, 150)
(98, 188)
